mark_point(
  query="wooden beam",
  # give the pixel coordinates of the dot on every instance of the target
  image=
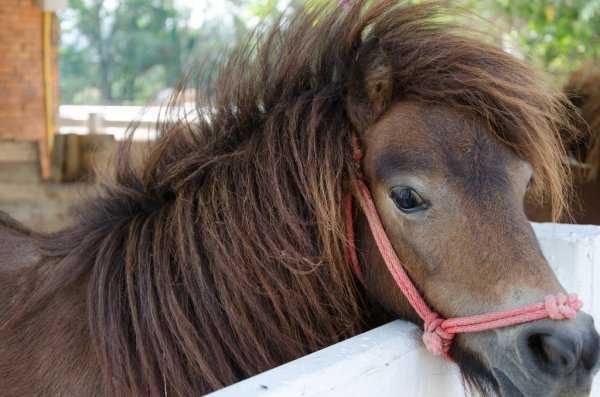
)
(18, 151)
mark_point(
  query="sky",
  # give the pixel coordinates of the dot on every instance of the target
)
(200, 9)
(204, 9)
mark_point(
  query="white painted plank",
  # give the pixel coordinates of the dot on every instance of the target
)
(53, 5)
(389, 360)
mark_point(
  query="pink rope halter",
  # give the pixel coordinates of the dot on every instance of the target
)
(439, 332)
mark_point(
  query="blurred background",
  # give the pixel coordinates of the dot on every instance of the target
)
(131, 52)
(75, 73)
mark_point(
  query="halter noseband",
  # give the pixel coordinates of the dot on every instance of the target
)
(439, 332)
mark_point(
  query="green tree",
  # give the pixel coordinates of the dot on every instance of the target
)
(126, 52)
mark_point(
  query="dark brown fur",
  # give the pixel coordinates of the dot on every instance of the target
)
(583, 90)
(224, 254)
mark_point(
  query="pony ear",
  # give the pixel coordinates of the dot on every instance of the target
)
(371, 92)
(379, 87)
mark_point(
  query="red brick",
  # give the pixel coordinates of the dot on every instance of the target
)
(21, 71)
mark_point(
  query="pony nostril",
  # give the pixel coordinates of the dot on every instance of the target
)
(553, 353)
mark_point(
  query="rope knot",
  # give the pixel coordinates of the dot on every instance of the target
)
(561, 306)
(436, 340)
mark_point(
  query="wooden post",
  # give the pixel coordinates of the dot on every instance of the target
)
(95, 124)
(46, 147)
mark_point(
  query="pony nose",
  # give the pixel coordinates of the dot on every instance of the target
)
(559, 351)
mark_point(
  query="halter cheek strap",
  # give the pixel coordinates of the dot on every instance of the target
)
(439, 332)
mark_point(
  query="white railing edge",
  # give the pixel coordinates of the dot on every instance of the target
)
(346, 366)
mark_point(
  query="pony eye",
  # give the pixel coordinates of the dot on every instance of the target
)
(407, 200)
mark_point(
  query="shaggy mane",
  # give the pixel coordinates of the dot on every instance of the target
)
(223, 254)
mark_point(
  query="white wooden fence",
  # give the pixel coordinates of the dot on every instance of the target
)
(115, 120)
(391, 361)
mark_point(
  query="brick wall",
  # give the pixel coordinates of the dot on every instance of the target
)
(22, 114)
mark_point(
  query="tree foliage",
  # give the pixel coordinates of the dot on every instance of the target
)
(122, 53)
(558, 35)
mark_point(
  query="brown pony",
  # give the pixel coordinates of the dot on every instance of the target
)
(224, 254)
(583, 90)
